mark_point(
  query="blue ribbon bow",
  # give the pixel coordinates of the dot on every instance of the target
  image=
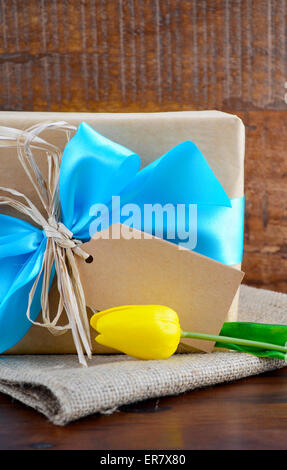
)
(94, 170)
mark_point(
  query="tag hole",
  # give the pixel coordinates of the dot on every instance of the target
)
(90, 259)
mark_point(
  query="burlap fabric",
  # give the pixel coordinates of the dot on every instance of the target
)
(62, 390)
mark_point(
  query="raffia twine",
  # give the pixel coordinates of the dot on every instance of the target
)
(61, 247)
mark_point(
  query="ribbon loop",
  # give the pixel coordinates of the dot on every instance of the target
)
(60, 245)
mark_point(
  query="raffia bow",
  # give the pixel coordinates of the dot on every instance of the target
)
(61, 247)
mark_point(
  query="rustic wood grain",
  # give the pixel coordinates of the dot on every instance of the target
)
(247, 414)
(148, 55)
(265, 258)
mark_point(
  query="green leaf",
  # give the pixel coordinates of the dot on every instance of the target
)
(261, 332)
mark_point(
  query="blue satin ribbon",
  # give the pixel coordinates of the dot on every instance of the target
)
(93, 170)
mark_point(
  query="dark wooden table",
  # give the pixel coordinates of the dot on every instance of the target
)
(248, 414)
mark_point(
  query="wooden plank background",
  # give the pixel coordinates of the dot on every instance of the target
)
(152, 55)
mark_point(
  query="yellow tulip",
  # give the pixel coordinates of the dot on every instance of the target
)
(142, 331)
(153, 332)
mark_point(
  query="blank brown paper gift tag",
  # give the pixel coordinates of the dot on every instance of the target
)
(133, 270)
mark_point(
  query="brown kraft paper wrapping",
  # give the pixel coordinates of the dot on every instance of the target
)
(219, 136)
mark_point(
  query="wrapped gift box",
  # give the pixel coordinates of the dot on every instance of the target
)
(219, 136)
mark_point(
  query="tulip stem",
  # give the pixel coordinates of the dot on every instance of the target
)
(228, 339)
